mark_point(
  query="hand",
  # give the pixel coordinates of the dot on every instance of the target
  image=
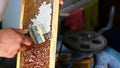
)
(12, 40)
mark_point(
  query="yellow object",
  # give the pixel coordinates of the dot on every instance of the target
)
(84, 63)
(39, 27)
(90, 14)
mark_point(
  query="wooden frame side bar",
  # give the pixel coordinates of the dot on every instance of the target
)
(54, 33)
(21, 27)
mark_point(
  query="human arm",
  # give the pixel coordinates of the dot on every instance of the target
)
(3, 7)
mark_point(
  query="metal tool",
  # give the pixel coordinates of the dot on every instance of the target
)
(36, 34)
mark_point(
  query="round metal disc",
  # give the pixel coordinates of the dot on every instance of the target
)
(84, 41)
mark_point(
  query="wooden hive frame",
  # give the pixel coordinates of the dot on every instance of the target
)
(28, 12)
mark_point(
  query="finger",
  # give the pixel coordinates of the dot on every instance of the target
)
(27, 41)
(21, 31)
(23, 47)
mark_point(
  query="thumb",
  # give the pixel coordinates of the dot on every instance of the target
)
(27, 41)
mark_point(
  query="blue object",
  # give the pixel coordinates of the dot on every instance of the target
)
(109, 57)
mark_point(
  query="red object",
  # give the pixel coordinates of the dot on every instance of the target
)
(75, 20)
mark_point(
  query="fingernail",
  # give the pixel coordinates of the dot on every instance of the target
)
(26, 30)
(28, 43)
